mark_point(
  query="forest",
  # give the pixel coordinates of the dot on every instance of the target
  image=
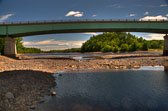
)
(119, 41)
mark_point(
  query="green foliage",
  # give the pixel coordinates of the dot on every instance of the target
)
(2, 42)
(21, 49)
(155, 44)
(107, 48)
(119, 41)
(124, 47)
(62, 51)
(145, 46)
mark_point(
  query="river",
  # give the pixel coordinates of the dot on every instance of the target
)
(85, 56)
(145, 89)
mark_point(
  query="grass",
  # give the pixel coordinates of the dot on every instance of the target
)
(155, 49)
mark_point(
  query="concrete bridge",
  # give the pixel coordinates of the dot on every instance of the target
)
(22, 29)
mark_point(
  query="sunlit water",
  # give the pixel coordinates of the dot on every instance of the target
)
(129, 90)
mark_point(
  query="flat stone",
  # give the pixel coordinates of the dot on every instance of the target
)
(34, 102)
(116, 67)
(9, 95)
(136, 67)
(32, 107)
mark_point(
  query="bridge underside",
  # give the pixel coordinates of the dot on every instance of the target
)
(85, 30)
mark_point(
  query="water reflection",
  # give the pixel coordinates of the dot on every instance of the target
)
(152, 68)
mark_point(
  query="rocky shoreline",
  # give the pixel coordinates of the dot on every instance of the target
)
(22, 90)
(25, 81)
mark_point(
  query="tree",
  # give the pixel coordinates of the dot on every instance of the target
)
(2, 42)
(107, 48)
(119, 41)
(124, 47)
(145, 46)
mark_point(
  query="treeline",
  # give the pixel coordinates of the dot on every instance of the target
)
(119, 41)
(64, 51)
(20, 48)
(106, 42)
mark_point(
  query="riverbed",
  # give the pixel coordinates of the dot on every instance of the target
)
(85, 68)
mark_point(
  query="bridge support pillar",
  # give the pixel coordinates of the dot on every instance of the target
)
(165, 48)
(10, 47)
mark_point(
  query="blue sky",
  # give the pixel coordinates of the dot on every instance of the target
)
(33, 10)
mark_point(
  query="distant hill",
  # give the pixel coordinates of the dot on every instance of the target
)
(119, 41)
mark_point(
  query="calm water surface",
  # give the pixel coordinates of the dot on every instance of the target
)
(130, 90)
(84, 56)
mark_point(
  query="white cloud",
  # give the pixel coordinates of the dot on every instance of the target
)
(47, 48)
(146, 13)
(154, 37)
(4, 17)
(90, 33)
(94, 15)
(78, 15)
(163, 5)
(74, 13)
(153, 18)
(167, 15)
(132, 15)
(115, 6)
(53, 44)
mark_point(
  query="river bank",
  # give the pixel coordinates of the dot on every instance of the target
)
(25, 81)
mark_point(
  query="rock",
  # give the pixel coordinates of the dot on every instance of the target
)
(53, 93)
(136, 67)
(116, 67)
(166, 68)
(60, 75)
(32, 107)
(73, 66)
(9, 95)
(42, 101)
(6, 101)
(34, 102)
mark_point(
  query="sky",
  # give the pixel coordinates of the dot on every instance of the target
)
(39, 10)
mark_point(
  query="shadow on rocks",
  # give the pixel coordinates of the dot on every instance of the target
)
(21, 90)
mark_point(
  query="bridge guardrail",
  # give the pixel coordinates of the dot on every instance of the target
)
(85, 20)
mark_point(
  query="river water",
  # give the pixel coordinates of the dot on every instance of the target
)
(83, 56)
(128, 90)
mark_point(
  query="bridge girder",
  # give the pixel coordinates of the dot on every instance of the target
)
(28, 29)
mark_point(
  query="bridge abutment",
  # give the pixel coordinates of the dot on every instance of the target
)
(10, 47)
(165, 48)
